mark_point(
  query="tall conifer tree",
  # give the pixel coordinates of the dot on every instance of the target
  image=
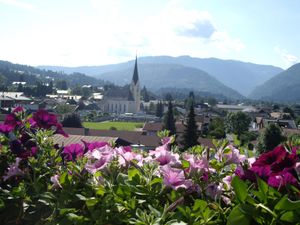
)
(169, 121)
(190, 135)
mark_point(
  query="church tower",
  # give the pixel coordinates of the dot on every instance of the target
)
(135, 87)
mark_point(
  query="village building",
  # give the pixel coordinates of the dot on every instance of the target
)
(125, 99)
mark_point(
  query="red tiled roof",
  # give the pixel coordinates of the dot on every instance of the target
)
(155, 127)
(133, 137)
(77, 139)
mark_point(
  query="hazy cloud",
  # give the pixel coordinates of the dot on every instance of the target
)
(224, 42)
(286, 57)
(200, 28)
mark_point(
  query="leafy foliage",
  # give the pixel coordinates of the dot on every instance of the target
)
(237, 123)
(270, 138)
(97, 183)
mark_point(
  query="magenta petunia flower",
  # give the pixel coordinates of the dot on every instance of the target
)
(45, 120)
(73, 151)
(18, 109)
(281, 180)
(5, 129)
(12, 121)
(274, 162)
(277, 168)
(93, 145)
(175, 178)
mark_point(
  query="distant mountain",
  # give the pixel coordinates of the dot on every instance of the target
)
(10, 72)
(240, 76)
(283, 87)
(157, 76)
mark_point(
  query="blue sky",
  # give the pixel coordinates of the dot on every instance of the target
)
(97, 32)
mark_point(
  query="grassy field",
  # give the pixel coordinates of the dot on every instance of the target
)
(111, 125)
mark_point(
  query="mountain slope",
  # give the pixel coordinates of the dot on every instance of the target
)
(156, 76)
(240, 76)
(10, 72)
(282, 87)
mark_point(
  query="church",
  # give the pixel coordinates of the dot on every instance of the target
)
(125, 99)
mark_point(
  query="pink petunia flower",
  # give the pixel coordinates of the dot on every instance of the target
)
(163, 156)
(99, 158)
(197, 165)
(175, 178)
(230, 155)
(55, 180)
(13, 170)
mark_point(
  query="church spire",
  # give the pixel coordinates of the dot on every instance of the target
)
(135, 76)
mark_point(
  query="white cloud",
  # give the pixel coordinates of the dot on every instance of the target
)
(108, 33)
(287, 58)
(19, 4)
(226, 43)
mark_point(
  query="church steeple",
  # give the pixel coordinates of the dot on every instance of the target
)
(135, 76)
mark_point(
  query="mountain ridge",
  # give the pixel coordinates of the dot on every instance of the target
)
(282, 87)
(238, 75)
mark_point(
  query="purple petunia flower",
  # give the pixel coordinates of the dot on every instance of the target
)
(73, 151)
(45, 120)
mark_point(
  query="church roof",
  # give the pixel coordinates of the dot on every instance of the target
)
(135, 76)
(120, 93)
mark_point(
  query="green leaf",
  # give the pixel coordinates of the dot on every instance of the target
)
(66, 210)
(199, 204)
(156, 181)
(240, 188)
(81, 197)
(91, 202)
(100, 191)
(237, 217)
(74, 217)
(132, 172)
(2, 204)
(63, 179)
(263, 189)
(185, 164)
(289, 217)
(287, 204)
